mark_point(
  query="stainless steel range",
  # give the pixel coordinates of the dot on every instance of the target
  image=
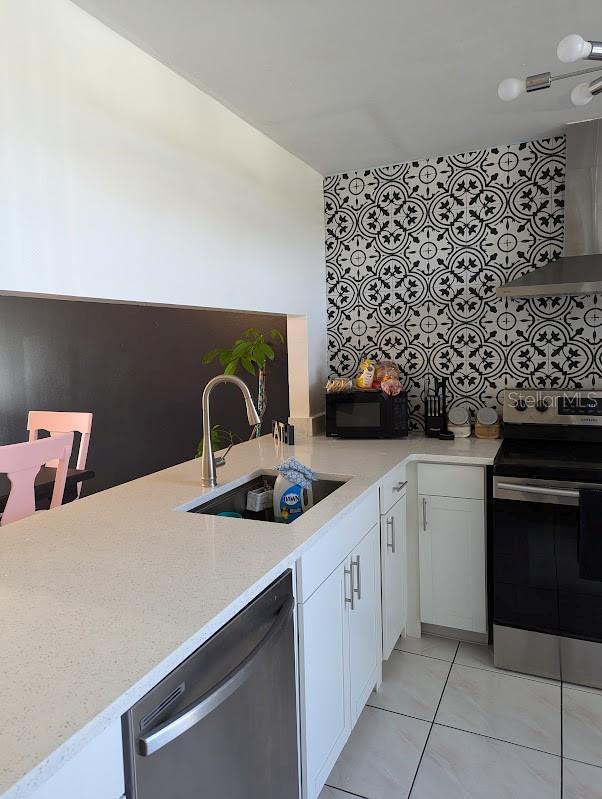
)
(547, 536)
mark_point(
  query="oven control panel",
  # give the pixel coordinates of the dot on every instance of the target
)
(580, 407)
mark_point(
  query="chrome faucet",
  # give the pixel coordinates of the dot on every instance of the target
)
(208, 470)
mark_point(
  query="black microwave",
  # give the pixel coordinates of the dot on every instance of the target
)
(366, 414)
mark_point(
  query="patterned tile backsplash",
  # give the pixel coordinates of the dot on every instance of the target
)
(414, 254)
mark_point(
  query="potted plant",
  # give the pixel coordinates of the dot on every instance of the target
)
(220, 439)
(252, 351)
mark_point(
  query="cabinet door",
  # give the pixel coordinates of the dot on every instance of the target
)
(394, 574)
(324, 680)
(452, 562)
(365, 644)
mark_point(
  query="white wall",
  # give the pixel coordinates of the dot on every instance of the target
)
(120, 180)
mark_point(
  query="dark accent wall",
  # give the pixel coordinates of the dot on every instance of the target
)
(414, 254)
(137, 368)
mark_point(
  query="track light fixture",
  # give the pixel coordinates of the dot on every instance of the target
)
(575, 48)
(583, 93)
(570, 49)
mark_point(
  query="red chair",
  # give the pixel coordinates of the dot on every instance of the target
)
(22, 462)
(56, 422)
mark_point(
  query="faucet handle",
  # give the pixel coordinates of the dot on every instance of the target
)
(221, 459)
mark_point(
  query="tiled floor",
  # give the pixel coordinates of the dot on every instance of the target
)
(447, 724)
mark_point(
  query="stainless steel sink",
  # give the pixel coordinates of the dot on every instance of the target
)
(235, 501)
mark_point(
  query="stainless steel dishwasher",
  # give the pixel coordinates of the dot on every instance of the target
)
(223, 725)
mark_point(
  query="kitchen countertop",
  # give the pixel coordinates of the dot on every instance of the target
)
(102, 598)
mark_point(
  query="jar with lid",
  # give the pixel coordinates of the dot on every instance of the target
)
(487, 424)
(458, 422)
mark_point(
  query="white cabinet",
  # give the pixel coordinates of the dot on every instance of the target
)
(364, 622)
(451, 531)
(336, 544)
(452, 562)
(94, 773)
(339, 654)
(393, 544)
(324, 679)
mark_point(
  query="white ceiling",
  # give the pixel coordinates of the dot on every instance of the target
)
(345, 84)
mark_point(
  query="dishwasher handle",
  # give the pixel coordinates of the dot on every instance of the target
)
(209, 701)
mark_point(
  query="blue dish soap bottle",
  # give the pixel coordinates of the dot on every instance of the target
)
(290, 500)
(293, 493)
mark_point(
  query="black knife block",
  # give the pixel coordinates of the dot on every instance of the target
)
(433, 417)
(435, 411)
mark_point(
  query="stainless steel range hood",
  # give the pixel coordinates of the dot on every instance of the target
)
(579, 271)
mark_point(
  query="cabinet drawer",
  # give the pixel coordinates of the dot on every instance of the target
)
(334, 546)
(392, 487)
(446, 480)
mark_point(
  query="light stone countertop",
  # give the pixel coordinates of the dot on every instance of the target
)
(102, 598)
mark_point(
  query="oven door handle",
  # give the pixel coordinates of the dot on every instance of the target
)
(209, 701)
(527, 489)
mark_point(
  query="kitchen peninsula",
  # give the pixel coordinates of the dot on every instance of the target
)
(104, 597)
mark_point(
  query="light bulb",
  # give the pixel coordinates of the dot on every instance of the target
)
(511, 88)
(581, 94)
(573, 48)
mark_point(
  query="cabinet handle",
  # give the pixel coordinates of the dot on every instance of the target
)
(349, 573)
(358, 590)
(400, 486)
(424, 513)
(391, 524)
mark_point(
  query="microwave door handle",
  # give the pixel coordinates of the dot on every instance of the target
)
(209, 701)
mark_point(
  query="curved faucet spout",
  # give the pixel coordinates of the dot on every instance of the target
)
(208, 470)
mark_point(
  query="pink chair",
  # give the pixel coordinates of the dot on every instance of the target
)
(56, 422)
(22, 462)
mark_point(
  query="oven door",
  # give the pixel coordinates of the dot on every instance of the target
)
(536, 567)
(525, 577)
(358, 414)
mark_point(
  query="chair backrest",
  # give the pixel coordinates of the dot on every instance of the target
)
(57, 422)
(22, 462)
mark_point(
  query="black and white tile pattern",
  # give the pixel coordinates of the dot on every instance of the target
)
(414, 254)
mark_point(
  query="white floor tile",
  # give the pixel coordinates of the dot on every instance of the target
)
(333, 793)
(503, 706)
(582, 725)
(430, 645)
(411, 684)
(380, 759)
(478, 656)
(459, 765)
(581, 781)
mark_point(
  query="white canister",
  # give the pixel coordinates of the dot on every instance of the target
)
(459, 422)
